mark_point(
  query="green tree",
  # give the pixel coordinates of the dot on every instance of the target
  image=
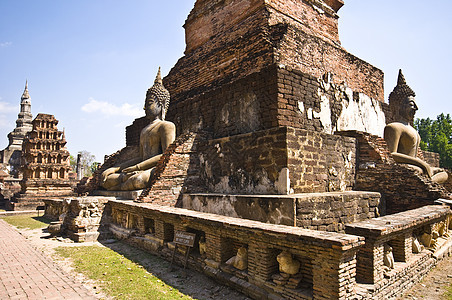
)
(73, 162)
(87, 162)
(423, 126)
(436, 136)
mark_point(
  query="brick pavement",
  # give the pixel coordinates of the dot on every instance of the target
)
(26, 273)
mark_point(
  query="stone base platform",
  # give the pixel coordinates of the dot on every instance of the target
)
(24, 204)
(34, 196)
(84, 219)
(151, 227)
(318, 211)
(118, 195)
(429, 226)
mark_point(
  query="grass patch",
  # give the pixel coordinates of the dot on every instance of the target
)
(119, 277)
(27, 222)
(449, 293)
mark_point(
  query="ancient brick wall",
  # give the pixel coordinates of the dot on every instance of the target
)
(253, 52)
(133, 131)
(177, 172)
(243, 106)
(431, 158)
(332, 211)
(320, 162)
(239, 51)
(311, 16)
(311, 55)
(244, 164)
(327, 260)
(253, 163)
(210, 18)
(276, 96)
(315, 211)
(428, 225)
(274, 209)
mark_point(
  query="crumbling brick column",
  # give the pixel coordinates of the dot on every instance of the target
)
(262, 261)
(334, 273)
(140, 224)
(370, 262)
(164, 231)
(402, 246)
(214, 244)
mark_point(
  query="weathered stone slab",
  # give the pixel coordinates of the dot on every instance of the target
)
(120, 195)
(319, 211)
(275, 209)
(398, 222)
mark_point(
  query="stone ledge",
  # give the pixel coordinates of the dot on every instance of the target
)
(293, 196)
(328, 211)
(398, 222)
(334, 240)
(120, 195)
(18, 213)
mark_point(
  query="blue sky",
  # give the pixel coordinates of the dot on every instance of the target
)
(89, 63)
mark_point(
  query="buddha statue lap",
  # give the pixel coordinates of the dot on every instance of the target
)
(135, 173)
(400, 136)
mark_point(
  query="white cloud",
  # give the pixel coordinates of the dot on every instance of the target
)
(3, 121)
(5, 107)
(109, 109)
(5, 44)
(7, 115)
(6, 123)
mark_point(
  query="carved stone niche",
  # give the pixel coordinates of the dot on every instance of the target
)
(289, 275)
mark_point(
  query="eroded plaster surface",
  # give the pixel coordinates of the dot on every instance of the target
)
(341, 109)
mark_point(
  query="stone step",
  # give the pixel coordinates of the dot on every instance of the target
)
(119, 195)
(319, 211)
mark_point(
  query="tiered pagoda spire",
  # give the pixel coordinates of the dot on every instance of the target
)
(10, 156)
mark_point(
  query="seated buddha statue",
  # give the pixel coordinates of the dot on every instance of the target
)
(400, 136)
(135, 173)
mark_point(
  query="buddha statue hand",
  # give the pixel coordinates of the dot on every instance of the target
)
(108, 172)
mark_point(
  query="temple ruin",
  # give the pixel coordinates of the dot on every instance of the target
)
(279, 168)
(45, 165)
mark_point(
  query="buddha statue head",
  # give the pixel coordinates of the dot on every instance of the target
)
(157, 99)
(402, 102)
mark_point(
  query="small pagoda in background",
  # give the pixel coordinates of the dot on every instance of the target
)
(10, 156)
(45, 164)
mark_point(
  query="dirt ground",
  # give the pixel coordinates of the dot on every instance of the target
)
(433, 287)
